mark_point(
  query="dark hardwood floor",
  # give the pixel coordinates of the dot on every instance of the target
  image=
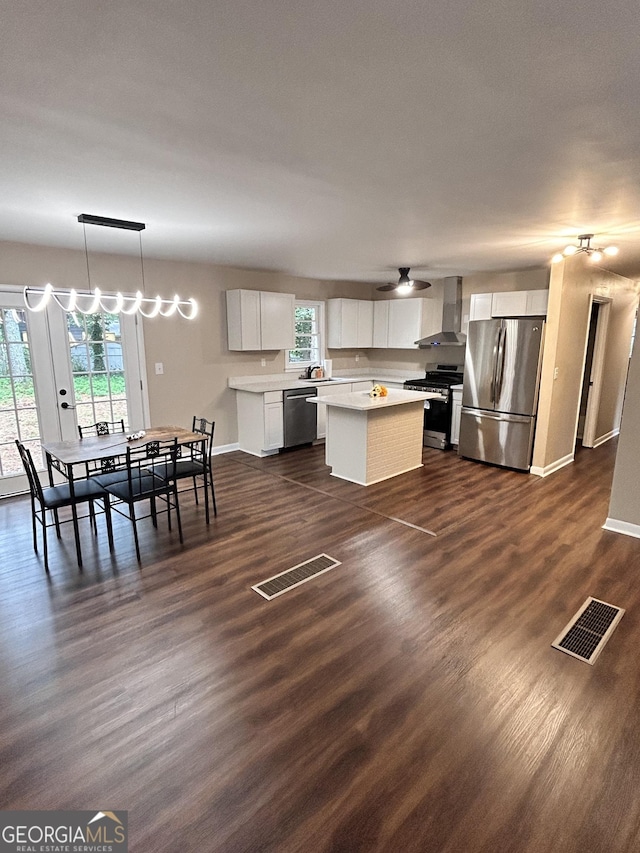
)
(408, 700)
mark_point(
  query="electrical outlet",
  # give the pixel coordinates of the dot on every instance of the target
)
(357, 357)
(263, 362)
(159, 368)
(555, 372)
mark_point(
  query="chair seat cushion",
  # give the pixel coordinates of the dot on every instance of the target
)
(112, 477)
(184, 468)
(84, 490)
(142, 486)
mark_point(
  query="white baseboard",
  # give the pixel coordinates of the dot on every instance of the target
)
(625, 527)
(225, 448)
(555, 466)
(607, 437)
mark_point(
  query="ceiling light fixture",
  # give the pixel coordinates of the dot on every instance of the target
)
(405, 284)
(93, 301)
(594, 254)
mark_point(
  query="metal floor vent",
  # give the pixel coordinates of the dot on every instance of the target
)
(588, 632)
(301, 573)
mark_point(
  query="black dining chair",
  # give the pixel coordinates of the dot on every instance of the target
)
(206, 428)
(150, 476)
(194, 461)
(111, 469)
(54, 498)
(101, 428)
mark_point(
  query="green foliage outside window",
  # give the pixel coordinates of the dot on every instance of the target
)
(307, 347)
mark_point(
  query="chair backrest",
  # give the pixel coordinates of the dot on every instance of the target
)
(202, 425)
(155, 459)
(101, 428)
(35, 487)
(194, 451)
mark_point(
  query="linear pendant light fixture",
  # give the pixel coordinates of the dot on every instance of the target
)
(594, 254)
(94, 301)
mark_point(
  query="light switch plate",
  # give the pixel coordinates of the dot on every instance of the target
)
(159, 368)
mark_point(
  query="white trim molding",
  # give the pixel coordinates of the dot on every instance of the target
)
(550, 469)
(607, 437)
(625, 527)
(224, 448)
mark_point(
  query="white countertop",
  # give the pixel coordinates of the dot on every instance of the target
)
(361, 401)
(265, 385)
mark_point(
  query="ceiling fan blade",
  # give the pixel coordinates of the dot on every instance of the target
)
(421, 285)
(387, 287)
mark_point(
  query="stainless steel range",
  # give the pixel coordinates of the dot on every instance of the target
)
(437, 411)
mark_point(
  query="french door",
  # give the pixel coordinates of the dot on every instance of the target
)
(60, 369)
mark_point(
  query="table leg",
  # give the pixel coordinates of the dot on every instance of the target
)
(74, 514)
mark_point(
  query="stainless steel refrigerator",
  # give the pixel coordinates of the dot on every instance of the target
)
(500, 391)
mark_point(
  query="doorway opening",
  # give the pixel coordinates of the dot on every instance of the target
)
(592, 377)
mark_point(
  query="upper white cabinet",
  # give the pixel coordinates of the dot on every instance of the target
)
(381, 323)
(519, 303)
(537, 302)
(480, 306)
(258, 320)
(350, 323)
(399, 323)
(511, 303)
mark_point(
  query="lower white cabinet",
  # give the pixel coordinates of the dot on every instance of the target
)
(260, 422)
(342, 388)
(456, 411)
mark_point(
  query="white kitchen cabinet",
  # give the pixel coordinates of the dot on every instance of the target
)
(537, 302)
(456, 411)
(519, 303)
(480, 306)
(365, 323)
(342, 388)
(259, 320)
(260, 422)
(381, 323)
(399, 323)
(349, 323)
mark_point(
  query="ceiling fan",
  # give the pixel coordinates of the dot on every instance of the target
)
(405, 284)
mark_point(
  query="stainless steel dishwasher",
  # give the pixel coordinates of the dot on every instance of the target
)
(300, 417)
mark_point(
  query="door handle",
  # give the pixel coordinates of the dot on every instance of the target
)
(500, 363)
(65, 405)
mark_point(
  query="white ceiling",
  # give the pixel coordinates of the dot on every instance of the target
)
(336, 139)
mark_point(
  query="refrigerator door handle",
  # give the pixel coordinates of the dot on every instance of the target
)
(497, 416)
(502, 337)
(492, 387)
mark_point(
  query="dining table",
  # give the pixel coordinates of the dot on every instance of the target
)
(65, 456)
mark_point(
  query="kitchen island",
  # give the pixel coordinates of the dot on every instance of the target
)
(370, 439)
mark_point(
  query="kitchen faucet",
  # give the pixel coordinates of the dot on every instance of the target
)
(311, 369)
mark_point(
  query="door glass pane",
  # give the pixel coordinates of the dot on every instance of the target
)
(18, 409)
(97, 365)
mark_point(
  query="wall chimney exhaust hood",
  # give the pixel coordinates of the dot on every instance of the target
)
(450, 336)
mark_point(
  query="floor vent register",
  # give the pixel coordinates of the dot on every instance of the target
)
(303, 572)
(588, 632)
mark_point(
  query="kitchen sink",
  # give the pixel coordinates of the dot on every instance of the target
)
(318, 381)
